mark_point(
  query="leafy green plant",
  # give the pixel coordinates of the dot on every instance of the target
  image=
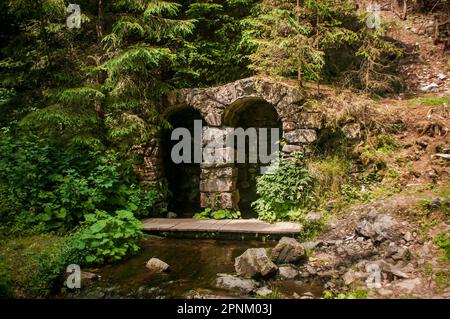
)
(431, 100)
(443, 279)
(284, 190)
(43, 184)
(311, 229)
(47, 274)
(109, 237)
(218, 214)
(443, 241)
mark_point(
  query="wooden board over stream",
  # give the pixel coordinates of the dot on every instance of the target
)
(234, 226)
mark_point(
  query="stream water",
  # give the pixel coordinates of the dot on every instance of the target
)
(194, 265)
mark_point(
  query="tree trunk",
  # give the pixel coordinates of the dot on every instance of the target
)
(98, 107)
(317, 47)
(299, 76)
(299, 70)
(100, 22)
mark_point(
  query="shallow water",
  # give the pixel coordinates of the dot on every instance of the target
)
(194, 265)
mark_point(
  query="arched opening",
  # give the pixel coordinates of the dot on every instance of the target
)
(251, 113)
(183, 178)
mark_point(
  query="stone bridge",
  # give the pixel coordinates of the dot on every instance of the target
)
(251, 102)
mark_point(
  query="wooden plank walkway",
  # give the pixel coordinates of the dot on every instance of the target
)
(235, 226)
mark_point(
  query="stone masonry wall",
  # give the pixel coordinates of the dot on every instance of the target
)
(218, 182)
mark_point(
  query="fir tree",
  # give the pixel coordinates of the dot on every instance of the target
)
(283, 41)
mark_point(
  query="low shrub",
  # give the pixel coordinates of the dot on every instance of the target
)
(286, 188)
(50, 188)
(443, 242)
(218, 214)
(103, 238)
(108, 238)
(47, 276)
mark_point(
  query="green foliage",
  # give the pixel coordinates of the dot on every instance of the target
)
(48, 275)
(311, 229)
(355, 294)
(140, 50)
(108, 238)
(321, 40)
(376, 149)
(283, 41)
(218, 214)
(431, 100)
(214, 53)
(284, 190)
(41, 184)
(376, 71)
(38, 263)
(5, 281)
(443, 242)
(330, 175)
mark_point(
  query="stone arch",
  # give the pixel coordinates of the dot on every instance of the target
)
(258, 114)
(219, 107)
(183, 178)
(212, 102)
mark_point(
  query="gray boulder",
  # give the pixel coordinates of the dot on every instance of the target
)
(156, 265)
(288, 250)
(89, 276)
(389, 269)
(377, 227)
(288, 272)
(171, 215)
(230, 282)
(263, 291)
(352, 131)
(254, 262)
(351, 276)
(408, 285)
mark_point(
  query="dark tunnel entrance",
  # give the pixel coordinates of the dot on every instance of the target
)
(184, 178)
(251, 113)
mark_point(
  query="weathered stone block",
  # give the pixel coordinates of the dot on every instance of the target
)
(289, 126)
(152, 161)
(220, 200)
(292, 97)
(352, 131)
(292, 148)
(254, 262)
(218, 173)
(235, 283)
(213, 137)
(309, 119)
(218, 185)
(214, 119)
(288, 250)
(300, 136)
(218, 156)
